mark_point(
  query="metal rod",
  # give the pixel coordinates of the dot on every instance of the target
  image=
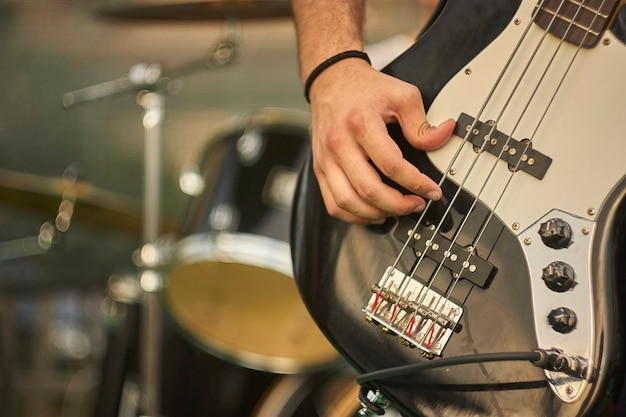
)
(150, 336)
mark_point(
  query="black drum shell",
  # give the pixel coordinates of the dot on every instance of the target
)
(230, 287)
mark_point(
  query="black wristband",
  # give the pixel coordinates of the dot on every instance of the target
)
(327, 63)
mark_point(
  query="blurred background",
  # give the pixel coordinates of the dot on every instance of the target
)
(57, 317)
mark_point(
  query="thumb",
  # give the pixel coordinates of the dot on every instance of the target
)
(427, 137)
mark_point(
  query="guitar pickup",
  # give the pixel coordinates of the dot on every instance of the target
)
(455, 257)
(518, 154)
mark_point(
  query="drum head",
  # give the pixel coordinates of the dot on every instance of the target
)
(234, 296)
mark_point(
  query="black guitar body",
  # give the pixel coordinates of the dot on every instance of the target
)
(336, 265)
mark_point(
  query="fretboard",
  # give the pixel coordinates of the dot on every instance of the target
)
(580, 22)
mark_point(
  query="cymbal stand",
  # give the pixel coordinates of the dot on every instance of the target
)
(149, 81)
(151, 87)
(150, 281)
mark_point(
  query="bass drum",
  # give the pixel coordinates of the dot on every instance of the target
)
(231, 287)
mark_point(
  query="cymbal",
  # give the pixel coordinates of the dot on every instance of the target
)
(203, 10)
(93, 205)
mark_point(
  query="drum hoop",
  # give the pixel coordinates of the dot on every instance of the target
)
(242, 248)
(264, 117)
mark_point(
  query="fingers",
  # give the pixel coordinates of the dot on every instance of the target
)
(353, 189)
(354, 209)
(344, 202)
(387, 157)
(427, 137)
(392, 164)
(409, 112)
(350, 134)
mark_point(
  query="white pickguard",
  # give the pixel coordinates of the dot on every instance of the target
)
(583, 131)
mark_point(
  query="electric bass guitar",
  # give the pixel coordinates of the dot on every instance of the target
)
(507, 296)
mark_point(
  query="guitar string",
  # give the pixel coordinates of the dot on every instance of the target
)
(461, 146)
(574, 57)
(492, 212)
(515, 169)
(407, 279)
(472, 247)
(412, 232)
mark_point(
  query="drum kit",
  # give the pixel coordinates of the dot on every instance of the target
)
(214, 324)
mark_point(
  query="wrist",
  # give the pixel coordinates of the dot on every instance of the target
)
(328, 63)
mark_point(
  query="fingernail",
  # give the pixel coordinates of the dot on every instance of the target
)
(419, 208)
(433, 195)
(443, 123)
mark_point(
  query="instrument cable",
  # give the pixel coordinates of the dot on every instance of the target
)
(374, 402)
(537, 357)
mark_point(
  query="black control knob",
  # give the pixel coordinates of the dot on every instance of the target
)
(556, 233)
(562, 319)
(558, 276)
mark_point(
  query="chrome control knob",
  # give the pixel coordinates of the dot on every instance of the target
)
(559, 276)
(556, 233)
(562, 320)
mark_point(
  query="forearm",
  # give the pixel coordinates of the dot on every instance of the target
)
(325, 28)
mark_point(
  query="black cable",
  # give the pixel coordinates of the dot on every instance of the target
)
(533, 356)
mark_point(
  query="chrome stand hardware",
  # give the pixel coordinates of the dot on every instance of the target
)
(372, 402)
(151, 85)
